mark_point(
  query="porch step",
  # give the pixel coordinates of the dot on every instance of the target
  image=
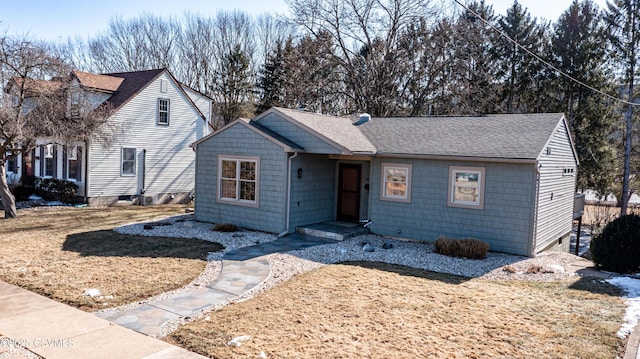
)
(333, 230)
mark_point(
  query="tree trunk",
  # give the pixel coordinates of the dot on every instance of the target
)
(8, 200)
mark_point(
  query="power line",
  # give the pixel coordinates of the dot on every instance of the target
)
(546, 63)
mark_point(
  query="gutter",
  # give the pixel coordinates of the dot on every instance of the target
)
(288, 201)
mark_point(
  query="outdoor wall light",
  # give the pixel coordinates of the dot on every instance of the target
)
(299, 173)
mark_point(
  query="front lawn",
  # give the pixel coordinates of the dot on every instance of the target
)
(62, 252)
(373, 310)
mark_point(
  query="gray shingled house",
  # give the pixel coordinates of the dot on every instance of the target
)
(506, 179)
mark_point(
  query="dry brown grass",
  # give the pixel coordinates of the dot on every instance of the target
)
(372, 310)
(62, 252)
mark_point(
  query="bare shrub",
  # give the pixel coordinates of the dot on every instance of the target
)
(468, 248)
(509, 269)
(600, 214)
(225, 227)
(534, 269)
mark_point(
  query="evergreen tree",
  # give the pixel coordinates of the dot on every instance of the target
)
(516, 68)
(579, 52)
(623, 21)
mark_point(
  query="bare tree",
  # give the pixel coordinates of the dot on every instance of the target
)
(35, 104)
(364, 43)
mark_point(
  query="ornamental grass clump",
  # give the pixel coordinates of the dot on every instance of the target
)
(468, 248)
(617, 247)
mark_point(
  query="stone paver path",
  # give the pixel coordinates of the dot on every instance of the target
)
(242, 270)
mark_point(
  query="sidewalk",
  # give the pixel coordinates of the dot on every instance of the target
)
(51, 330)
(242, 270)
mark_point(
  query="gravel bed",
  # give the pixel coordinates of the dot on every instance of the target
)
(284, 266)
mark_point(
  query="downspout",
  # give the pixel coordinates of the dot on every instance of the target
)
(288, 202)
(86, 172)
(144, 170)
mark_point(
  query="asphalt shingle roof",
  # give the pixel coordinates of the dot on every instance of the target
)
(513, 136)
(100, 82)
(133, 82)
(339, 130)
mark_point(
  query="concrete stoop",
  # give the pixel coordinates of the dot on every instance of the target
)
(333, 230)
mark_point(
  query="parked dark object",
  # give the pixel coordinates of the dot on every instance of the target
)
(617, 247)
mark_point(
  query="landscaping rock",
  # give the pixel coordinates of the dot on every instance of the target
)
(368, 248)
(387, 245)
(237, 235)
(148, 226)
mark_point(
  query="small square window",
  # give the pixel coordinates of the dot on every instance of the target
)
(238, 180)
(396, 182)
(466, 187)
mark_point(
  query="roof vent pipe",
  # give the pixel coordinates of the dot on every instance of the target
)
(364, 118)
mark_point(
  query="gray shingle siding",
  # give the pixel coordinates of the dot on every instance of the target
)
(309, 142)
(312, 196)
(241, 141)
(506, 222)
(556, 192)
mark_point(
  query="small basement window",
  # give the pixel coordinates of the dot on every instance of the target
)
(568, 171)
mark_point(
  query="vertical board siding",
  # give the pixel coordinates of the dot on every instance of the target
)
(238, 140)
(556, 190)
(170, 161)
(312, 196)
(506, 222)
(309, 142)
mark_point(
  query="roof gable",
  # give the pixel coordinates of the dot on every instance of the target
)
(286, 144)
(337, 132)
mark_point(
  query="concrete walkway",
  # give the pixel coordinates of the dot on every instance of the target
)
(242, 270)
(32, 324)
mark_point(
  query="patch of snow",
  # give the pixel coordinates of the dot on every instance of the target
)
(632, 287)
(237, 341)
(56, 203)
(92, 292)
(34, 197)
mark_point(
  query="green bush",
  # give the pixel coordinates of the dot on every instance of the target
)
(617, 247)
(467, 248)
(53, 189)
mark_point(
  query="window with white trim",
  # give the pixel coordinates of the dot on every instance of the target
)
(163, 111)
(396, 182)
(238, 179)
(466, 187)
(74, 163)
(50, 160)
(128, 162)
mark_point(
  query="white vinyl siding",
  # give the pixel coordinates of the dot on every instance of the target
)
(556, 190)
(170, 162)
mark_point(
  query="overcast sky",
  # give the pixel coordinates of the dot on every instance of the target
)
(60, 19)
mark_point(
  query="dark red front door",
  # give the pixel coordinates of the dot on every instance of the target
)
(349, 192)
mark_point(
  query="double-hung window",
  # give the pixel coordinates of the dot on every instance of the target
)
(128, 165)
(74, 163)
(50, 160)
(466, 187)
(396, 182)
(163, 111)
(238, 180)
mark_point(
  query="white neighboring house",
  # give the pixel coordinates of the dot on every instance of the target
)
(148, 158)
